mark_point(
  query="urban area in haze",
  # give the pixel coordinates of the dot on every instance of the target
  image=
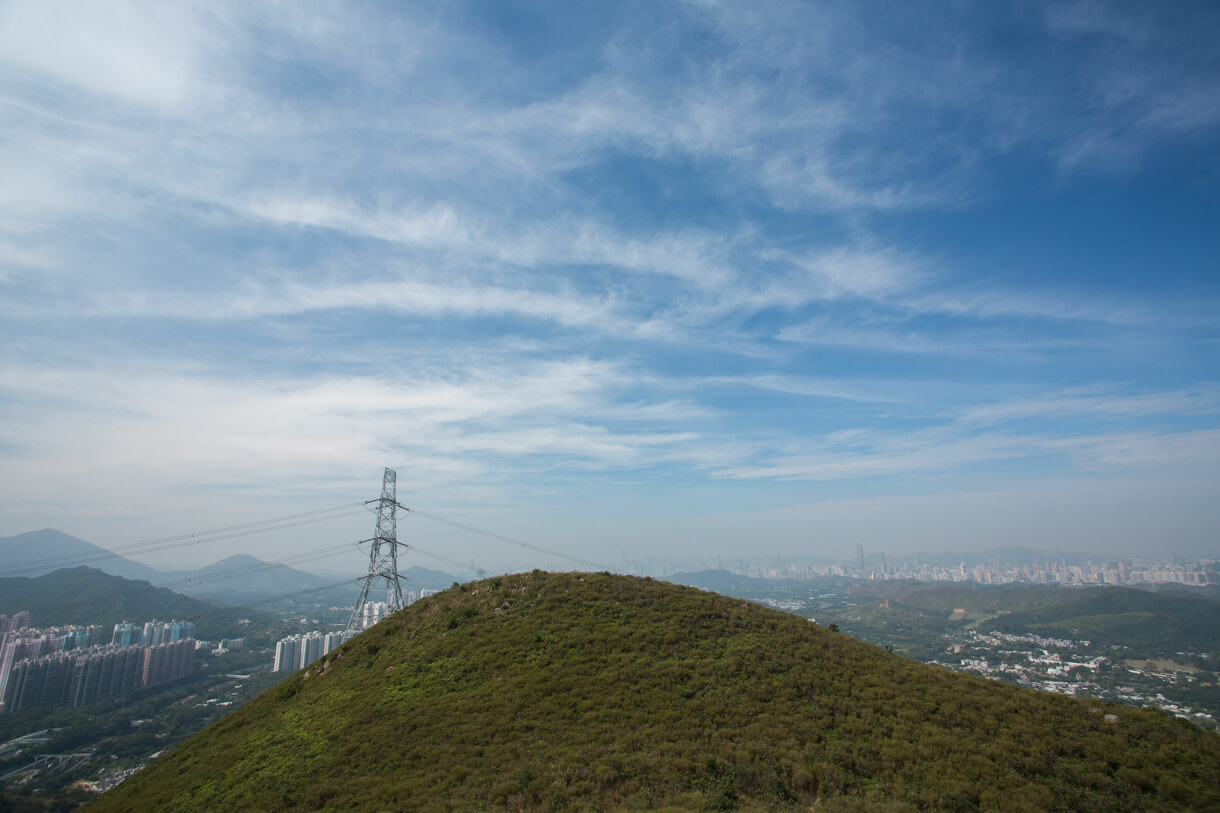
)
(904, 319)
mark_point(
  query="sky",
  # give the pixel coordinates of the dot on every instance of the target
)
(623, 280)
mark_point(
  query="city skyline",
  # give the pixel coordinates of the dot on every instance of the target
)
(686, 279)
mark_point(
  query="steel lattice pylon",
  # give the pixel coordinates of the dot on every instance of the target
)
(383, 555)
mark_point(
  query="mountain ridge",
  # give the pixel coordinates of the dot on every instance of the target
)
(57, 550)
(85, 595)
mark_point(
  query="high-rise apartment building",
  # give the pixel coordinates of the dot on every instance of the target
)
(68, 666)
(298, 651)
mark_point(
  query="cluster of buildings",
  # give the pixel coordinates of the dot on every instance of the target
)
(298, 651)
(152, 633)
(1085, 575)
(1058, 573)
(1028, 660)
(76, 666)
(18, 621)
(374, 611)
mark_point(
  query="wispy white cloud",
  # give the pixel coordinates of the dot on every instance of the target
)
(894, 335)
(1194, 452)
(978, 438)
(1100, 401)
(436, 226)
(202, 427)
(403, 296)
(654, 246)
(141, 53)
(1139, 88)
(939, 453)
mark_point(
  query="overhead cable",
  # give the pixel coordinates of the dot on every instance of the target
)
(184, 540)
(272, 600)
(510, 540)
(297, 559)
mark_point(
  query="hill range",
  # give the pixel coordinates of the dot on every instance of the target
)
(236, 579)
(600, 692)
(85, 595)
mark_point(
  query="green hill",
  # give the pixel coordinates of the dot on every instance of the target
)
(85, 595)
(1150, 623)
(1155, 623)
(599, 692)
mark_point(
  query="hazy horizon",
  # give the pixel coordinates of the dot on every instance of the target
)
(656, 280)
(507, 556)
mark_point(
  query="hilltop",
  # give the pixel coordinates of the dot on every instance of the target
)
(592, 691)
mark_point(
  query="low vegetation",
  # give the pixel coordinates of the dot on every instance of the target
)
(599, 692)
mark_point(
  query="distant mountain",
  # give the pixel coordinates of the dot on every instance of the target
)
(751, 587)
(38, 552)
(244, 575)
(86, 595)
(722, 581)
(237, 579)
(432, 579)
(417, 577)
(598, 692)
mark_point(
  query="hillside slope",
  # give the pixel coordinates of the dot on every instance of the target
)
(550, 691)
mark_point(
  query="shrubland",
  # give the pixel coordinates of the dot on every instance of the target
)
(601, 692)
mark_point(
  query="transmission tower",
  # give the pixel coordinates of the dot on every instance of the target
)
(383, 556)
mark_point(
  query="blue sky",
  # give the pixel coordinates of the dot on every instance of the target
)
(655, 279)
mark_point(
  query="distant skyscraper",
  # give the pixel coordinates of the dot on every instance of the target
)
(860, 556)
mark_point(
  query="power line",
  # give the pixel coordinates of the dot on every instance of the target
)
(510, 540)
(274, 524)
(272, 600)
(209, 577)
(185, 540)
(477, 571)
